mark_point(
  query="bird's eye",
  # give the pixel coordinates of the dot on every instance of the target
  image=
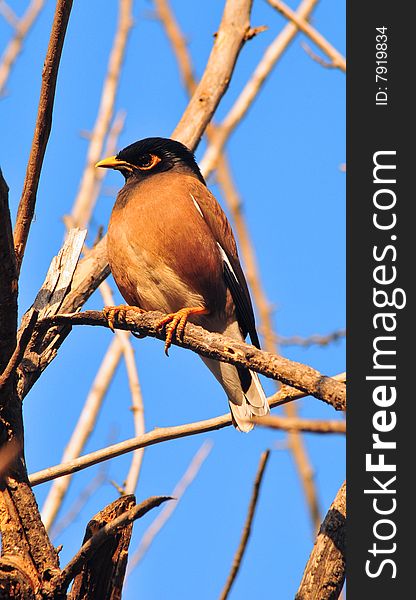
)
(147, 161)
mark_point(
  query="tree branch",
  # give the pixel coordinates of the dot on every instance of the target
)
(247, 526)
(338, 61)
(229, 40)
(251, 89)
(102, 575)
(96, 541)
(285, 394)
(27, 203)
(300, 425)
(22, 27)
(180, 488)
(325, 571)
(219, 347)
(84, 203)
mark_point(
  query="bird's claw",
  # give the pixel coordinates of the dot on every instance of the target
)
(175, 323)
(113, 313)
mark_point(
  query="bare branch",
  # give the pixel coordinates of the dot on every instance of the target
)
(319, 340)
(229, 40)
(303, 425)
(247, 526)
(92, 545)
(84, 203)
(27, 203)
(54, 295)
(74, 510)
(338, 61)
(8, 13)
(252, 88)
(325, 571)
(284, 395)
(219, 347)
(22, 27)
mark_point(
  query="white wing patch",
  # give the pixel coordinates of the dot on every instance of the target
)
(198, 208)
(226, 260)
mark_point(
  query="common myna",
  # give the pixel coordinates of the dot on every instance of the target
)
(171, 248)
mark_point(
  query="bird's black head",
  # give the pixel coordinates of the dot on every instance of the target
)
(153, 155)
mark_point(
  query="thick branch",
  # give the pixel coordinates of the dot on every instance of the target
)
(102, 577)
(218, 347)
(325, 571)
(42, 129)
(96, 541)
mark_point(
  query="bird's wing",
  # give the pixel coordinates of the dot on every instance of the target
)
(234, 277)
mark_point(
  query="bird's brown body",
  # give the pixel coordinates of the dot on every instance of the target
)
(170, 248)
(160, 259)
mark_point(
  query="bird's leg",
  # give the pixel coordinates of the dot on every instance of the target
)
(177, 321)
(112, 313)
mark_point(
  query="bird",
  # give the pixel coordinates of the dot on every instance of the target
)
(171, 248)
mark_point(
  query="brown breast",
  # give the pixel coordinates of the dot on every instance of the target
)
(161, 251)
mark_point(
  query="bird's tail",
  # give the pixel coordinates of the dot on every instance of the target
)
(246, 396)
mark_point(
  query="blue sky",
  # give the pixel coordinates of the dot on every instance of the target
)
(285, 157)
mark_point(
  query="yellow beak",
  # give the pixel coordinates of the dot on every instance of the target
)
(112, 162)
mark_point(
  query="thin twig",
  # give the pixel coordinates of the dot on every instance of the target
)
(247, 526)
(22, 27)
(318, 340)
(336, 57)
(252, 88)
(159, 435)
(85, 200)
(180, 488)
(96, 541)
(8, 13)
(219, 347)
(79, 503)
(303, 425)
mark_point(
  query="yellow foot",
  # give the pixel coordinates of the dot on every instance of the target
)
(113, 313)
(176, 322)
